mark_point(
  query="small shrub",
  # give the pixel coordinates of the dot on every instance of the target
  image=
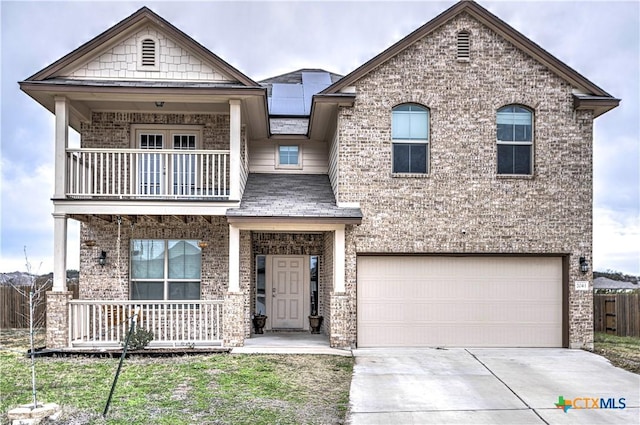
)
(140, 338)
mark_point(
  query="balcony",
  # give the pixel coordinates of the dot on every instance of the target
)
(149, 174)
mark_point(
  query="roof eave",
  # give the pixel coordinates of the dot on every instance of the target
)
(599, 104)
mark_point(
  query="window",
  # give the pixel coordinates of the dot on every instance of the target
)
(165, 269)
(289, 156)
(410, 134)
(313, 274)
(515, 139)
(261, 285)
(184, 168)
(464, 46)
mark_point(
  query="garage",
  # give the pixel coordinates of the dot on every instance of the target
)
(475, 301)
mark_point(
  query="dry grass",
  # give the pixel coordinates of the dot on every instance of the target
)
(203, 389)
(623, 352)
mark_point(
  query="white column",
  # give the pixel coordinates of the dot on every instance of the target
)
(234, 146)
(234, 259)
(61, 144)
(338, 260)
(59, 252)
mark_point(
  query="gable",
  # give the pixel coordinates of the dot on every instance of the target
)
(587, 94)
(113, 55)
(174, 62)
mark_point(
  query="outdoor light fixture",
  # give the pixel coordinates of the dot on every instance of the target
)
(159, 104)
(102, 259)
(584, 266)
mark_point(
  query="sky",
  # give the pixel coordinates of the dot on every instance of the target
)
(601, 40)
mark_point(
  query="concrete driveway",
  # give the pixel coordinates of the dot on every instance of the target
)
(489, 386)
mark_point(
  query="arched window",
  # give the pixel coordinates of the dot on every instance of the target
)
(410, 134)
(515, 140)
(464, 46)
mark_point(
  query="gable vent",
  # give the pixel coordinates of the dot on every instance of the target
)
(148, 57)
(464, 48)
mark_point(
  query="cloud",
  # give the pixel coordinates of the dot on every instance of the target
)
(616, 241)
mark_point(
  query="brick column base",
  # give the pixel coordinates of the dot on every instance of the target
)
(58, 319)
(339, 324)
(233, 319)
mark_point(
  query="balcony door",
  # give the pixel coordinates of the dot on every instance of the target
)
(162, 172)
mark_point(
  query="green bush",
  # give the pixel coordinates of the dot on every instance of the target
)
(140, 338)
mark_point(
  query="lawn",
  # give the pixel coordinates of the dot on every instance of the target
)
(203, 389)
(623, 352)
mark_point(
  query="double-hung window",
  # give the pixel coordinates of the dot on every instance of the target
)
(515, 140)
(165, 269)
(410, 134)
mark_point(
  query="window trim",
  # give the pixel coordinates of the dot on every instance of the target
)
(516, 142)
(280, 166)
(156, 52)
(426, 142)
(166, 281)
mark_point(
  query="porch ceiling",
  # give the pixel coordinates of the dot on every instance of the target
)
(133, 219)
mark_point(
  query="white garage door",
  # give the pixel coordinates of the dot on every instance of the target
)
(459, 301)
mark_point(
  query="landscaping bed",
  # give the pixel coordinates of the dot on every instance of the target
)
(203, 389)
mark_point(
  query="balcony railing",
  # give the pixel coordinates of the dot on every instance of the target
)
(103, 324)
(146, 173)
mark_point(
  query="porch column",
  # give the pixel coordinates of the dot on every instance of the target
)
(234, 259)
(234, 146)
(61, 144)
(338, 260)
(59, 252)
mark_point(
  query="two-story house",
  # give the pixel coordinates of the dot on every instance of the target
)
(438, 195)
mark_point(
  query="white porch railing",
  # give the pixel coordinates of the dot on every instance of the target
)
(103, 324)
(147, 173)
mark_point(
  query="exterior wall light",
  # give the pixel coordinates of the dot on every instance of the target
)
(159, 104)
(102, 259)
(584, 266)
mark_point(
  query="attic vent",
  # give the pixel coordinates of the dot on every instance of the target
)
(148, 52)
(463, 46)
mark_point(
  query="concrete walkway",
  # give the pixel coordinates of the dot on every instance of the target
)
(488, 386)
(289, 343)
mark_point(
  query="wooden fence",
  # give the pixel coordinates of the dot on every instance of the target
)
(14, 306)
(617, 314)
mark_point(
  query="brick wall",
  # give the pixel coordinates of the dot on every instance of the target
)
(112, 280)
(549, 212)
(113, 129)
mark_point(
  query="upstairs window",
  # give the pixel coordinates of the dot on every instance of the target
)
(289, 156)
(410, 134)
(148, 54)
(464, 46)
(515, 140)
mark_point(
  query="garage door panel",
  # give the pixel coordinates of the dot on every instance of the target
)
(459, 301)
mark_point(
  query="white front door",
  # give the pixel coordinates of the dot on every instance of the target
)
(287, 292)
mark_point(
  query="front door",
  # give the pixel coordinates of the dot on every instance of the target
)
(287, 292)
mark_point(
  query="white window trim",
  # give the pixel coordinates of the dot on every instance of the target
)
(167, 131)
(165, 280)
(297, 166)
(518, 143)
(156, 66)
(406, 142)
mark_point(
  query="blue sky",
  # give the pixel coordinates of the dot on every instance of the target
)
(601, 40)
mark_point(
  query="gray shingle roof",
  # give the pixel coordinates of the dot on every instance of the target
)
(291, 196)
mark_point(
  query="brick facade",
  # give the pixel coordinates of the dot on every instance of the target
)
(549, 212)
